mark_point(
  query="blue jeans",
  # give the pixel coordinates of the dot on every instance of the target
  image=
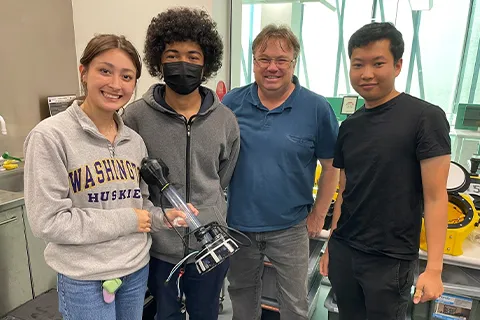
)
(83, 300)
(287, 250)
(202, 292)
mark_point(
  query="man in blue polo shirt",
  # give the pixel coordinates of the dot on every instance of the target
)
(284, 130)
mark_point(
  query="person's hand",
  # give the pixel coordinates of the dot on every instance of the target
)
(315, 224)
(324, 264)
(429, 286)
(144, 220)
(177, 217)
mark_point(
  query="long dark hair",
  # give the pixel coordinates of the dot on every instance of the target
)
(103, 42)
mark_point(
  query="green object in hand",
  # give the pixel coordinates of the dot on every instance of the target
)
(112, 285)
(7, 156)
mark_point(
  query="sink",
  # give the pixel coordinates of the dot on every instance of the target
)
(12, 180)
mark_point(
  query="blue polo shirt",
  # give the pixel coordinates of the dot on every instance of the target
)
(271, 188)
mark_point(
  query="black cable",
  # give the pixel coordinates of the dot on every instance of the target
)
(165, 215)
(190, 233)
(222, 227)
(237, 232)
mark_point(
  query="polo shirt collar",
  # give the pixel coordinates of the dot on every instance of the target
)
(253, 98)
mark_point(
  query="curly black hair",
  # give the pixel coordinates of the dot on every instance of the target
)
(178, 25)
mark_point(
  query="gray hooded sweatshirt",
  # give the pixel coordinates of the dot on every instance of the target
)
(200, 153)
(80, 191)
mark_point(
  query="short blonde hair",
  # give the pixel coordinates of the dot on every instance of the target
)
(276, 32)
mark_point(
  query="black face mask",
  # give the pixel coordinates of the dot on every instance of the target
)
(182, 77)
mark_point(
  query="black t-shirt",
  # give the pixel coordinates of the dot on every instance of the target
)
(380, 150)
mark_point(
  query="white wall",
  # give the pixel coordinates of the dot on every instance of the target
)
(280, 13)
(131, 18)
(221, 15)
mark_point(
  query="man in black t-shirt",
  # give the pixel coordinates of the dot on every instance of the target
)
(394, 156)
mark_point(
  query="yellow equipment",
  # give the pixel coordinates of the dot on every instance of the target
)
(328, 218)
(462, 214)
(318, 173)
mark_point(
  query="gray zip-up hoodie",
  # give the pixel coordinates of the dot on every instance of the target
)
(80, 191)
(200, 153)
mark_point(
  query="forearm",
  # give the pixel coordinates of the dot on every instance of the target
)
(337, 211)
(327, 184)
(80, 226)
(436, 222)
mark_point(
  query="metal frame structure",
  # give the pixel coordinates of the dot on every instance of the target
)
(476, 68)
(463, 64)
(341, 54)
(341, 58)
(415, 53)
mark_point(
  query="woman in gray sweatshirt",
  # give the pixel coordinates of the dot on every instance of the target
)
(84, 195)
(197, 137)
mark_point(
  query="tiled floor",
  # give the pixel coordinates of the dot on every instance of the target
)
(45, 307)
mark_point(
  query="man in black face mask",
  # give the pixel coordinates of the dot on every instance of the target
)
(187, 127)
(182, 77)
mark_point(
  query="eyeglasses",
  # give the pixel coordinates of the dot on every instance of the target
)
(280, 63)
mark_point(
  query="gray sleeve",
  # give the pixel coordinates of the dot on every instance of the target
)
(50, 211)
(227, 165)
(129, 119)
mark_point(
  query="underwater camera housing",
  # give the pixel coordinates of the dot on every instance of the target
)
(217, 245)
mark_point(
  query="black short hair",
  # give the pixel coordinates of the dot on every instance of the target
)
(182, 24)
(376, 31)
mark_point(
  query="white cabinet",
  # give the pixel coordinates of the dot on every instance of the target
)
(15, 284)
(43, 277)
